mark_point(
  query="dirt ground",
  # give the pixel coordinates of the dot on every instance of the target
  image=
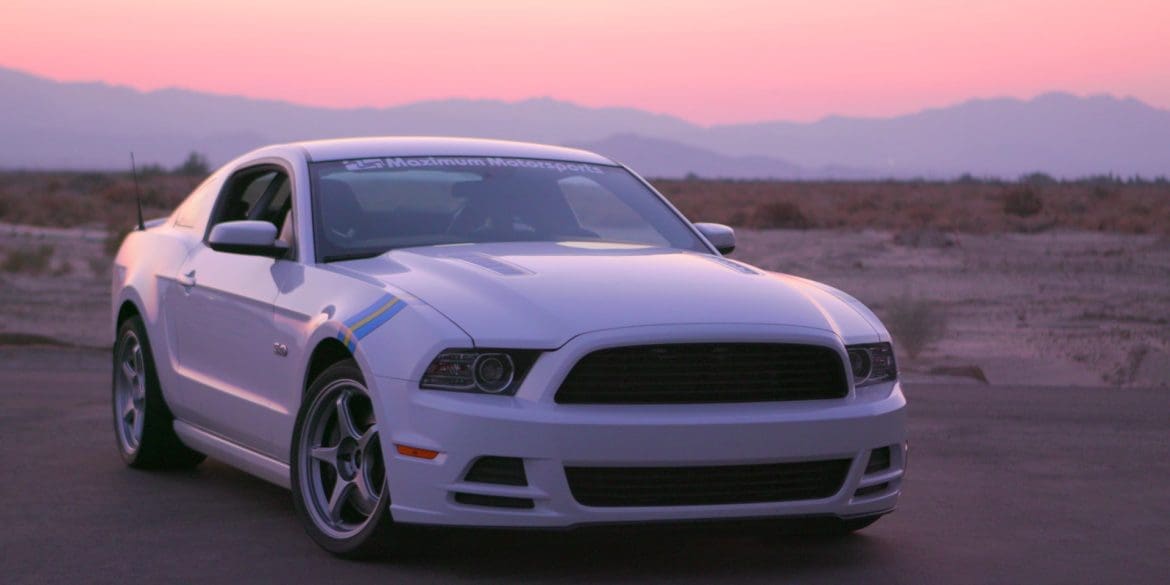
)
(1055, 308)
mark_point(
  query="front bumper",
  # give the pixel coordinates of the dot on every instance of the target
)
(548, 437)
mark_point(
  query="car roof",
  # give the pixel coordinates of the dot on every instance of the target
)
(356, 148)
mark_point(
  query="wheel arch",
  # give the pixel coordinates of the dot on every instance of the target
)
(127, 310)
(326, 353)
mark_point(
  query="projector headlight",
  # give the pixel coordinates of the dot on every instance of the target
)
(488, 371)
(872, 363)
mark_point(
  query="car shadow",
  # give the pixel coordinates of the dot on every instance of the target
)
(712, 551)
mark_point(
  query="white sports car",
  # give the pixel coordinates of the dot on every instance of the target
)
(497, 334)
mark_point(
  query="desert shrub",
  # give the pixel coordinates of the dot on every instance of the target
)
(151, 170)
(90, 182)
(915, 323)
(196, 165)
(924, 238)
(1022, 202)
(921, 214)
(1038, 179)
(779, 214)
(28, 260)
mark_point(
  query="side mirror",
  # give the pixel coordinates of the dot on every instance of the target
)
(720, 236)
(255, 238)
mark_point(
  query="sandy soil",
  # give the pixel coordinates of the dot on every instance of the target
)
(1045, 309)
(1055, 308)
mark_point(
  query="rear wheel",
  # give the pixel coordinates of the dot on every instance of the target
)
(143, 424)
(338, 472)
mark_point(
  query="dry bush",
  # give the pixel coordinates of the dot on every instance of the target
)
(72, 199)
(971, 206)
(924, 238)
(915, 323)
(779, 215)
(1022, 202)
(28, 260)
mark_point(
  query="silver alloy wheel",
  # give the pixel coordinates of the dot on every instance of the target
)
(342, 474)
(130, 393)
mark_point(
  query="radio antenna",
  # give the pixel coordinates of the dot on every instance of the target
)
(137, 192)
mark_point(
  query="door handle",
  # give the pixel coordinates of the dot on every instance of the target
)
(188, 279)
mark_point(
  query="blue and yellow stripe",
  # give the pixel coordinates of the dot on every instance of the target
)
(369, 319)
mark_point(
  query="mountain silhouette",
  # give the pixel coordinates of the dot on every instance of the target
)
(49, 124)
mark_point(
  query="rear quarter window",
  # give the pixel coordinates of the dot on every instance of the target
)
(193, 212)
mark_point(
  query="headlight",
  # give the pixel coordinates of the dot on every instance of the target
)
(872, 363)
(490, 371)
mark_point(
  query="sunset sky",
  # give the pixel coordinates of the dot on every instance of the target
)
(709, 62)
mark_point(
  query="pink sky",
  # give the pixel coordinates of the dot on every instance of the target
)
(709, 62)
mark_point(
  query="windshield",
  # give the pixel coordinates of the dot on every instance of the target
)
(366, 207)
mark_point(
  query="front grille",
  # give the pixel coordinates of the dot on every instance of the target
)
(706, 486)
(697, 373)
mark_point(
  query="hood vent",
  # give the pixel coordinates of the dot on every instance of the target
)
(493, 264)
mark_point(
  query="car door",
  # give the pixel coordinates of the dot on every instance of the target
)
(222, 316)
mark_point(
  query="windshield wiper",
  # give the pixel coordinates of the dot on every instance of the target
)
(353, 255)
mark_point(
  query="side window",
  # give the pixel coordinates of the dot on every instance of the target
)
(194, 211)
(260, 194)
(244, 191)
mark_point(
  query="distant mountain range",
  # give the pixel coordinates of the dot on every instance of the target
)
(47, 124)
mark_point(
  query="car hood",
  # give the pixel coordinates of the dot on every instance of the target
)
(542, 294)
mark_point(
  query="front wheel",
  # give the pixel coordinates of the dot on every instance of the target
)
(338, 472)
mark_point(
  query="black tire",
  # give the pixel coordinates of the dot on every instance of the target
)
(143, 427)
(352, 532)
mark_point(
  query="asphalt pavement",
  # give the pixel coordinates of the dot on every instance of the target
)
(1005, 485)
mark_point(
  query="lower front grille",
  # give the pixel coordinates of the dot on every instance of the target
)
(706, 486)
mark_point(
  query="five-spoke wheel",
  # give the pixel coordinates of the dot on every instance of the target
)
(339, 474)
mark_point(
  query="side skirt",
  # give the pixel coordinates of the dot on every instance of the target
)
(239, 457)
